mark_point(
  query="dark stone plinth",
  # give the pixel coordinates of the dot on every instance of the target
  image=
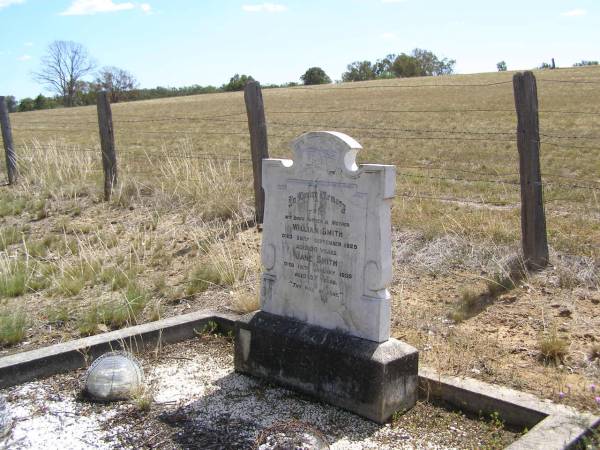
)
(371, 379)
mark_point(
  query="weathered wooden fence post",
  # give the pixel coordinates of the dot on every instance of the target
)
(533, 219)
(9, 146)
(107, 143)
(258, 142)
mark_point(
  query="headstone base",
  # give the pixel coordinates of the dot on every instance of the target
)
(371, 379)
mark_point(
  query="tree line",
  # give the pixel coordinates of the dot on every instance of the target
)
(66, 64)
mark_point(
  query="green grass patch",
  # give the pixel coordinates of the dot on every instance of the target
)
(115, 277)
(11, 205)
(201, 278)
(115, 313)
(76, 277)
(9, 236)
(59, 313)
(13, 326)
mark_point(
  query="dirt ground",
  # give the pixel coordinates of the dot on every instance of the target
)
(198, 402)
(500, 340)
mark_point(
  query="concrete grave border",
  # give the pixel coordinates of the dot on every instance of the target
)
(551, 426)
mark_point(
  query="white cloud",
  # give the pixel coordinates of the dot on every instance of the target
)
(89, 7)
(24, 58)
(5, 3)
(28, 44)
(264, 7)
(389, 36)
(575, 13)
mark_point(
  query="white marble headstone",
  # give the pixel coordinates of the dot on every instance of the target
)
(326, 249)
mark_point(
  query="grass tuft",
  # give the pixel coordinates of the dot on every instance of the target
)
(13, 327)
(553, 348)
(244, 301)
(9, 236)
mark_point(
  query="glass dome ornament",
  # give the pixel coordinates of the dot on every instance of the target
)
(113, 376)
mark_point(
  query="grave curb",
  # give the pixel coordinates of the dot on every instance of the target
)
(42, 362)
(551, 426)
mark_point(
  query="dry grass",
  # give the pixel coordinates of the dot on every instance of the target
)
(553, 347)
(165, 150)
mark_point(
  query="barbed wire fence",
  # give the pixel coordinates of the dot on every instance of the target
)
(527, 181)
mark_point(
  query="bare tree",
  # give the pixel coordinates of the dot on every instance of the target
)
(63, 66)
(116, 81)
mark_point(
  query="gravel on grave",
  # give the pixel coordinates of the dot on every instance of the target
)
(199, 402)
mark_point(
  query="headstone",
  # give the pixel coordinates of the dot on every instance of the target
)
(324, 323)
(326, 246)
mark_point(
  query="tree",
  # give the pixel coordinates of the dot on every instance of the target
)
(584, 63)
(383, 68)
(315, 75)
(116, 81)
(421, 63)
(502, 66)
(26, 104)
(63, 66)
(405, 66)
(11, 103)
(39, 102)
(359, 71)
(237, 82)
(430, 65)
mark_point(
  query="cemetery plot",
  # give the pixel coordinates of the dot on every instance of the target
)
(200, 402)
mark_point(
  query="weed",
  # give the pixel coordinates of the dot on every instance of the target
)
(211, 327)
(74, 278)
(136, 297)
(496, 426)
(59, 313)
(142, 398)
(69, 286)
(201, 278)
(87, 322)
(470, 302)
(115, 277)
(18, 277)
(156, 310)
(13, 326)
(41, 247)
(11, 205)
(38, 208)
(160, 287)
(553, 348)
(14, 275)
(244, 301)
(500, 284)
(9, 236)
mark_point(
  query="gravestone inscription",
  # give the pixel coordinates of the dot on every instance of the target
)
(326, 243)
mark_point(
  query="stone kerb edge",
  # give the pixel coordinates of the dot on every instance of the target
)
(551, 426)
(46, 361)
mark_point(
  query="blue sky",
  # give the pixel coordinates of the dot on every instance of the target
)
(184, 42)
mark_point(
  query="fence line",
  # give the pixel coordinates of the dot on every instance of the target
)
(527, 137)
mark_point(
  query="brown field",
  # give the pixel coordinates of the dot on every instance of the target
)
(173, 239)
